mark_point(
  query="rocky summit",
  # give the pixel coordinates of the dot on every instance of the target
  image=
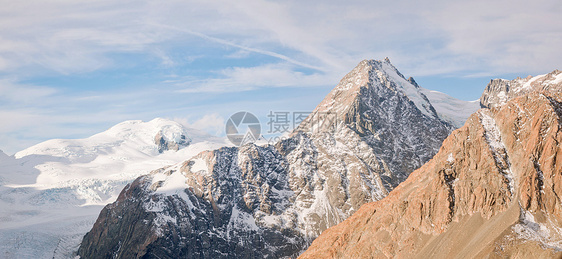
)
(271, 201)
(499, 91)
(492, 190)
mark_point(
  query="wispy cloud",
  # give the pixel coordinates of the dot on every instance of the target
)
(13, 92)
(327, 36)
(188, 52)
(501, 36)
(250, 78)
(213, 123)
(241, 47)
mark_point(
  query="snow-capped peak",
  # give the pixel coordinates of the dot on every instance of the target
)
(375, 73)
(431, 103)
(386, 71)
(451, 109)
(146, 131)
(150, 138)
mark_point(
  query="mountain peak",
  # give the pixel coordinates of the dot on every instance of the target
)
(377, 102)
(165, 134)
(155, 136)
(378, 75)
(499, 91)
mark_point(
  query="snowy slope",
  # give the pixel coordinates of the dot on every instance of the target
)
(451, 109)
(448, 108)
(410, 88)
(51, 193)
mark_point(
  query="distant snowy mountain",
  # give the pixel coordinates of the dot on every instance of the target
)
(451, 109)
(51, 193)
(142, 137)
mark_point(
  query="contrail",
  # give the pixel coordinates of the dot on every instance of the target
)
(224, 42)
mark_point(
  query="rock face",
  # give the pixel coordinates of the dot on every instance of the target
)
(362, 140)
(174, 143)
(493, 190)
(499, 91)
(389, 113)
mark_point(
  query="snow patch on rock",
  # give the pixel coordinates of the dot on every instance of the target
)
(199, 165)
(493, 137)
(451, 109)
(548, 233)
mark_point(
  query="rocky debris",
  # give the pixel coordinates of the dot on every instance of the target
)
(271, 201)
(493, 190)
(171, 137)
(165, 144)
(499, 91)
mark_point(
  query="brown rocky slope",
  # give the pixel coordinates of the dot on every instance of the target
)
(493, 190)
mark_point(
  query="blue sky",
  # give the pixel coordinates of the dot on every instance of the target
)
(70, 69)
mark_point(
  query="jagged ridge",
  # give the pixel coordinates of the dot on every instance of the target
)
(279, 198)
(499, 91)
